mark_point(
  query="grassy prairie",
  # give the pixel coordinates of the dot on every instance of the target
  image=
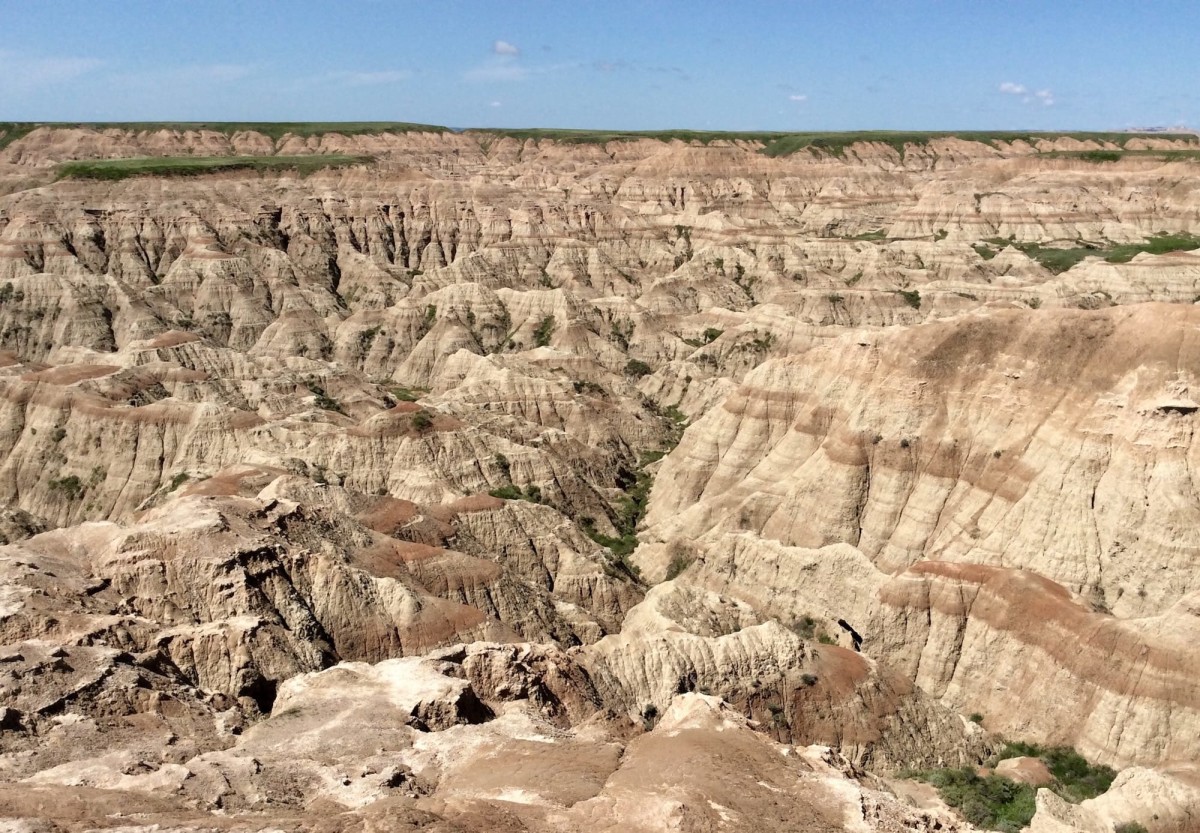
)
(276, 130)
(113, 169)
(784, 144)
(773, 143)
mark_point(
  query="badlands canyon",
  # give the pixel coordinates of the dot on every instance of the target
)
(506, 482)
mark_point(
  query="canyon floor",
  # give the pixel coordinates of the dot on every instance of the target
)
(487, 482)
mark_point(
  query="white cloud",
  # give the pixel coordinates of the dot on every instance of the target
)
(495, 104)
(503, 47)
(20, 72)
(1028, 96)
(797, 98)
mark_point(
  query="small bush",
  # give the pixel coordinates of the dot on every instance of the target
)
(637, 368)
(976, 717)
(59, 435)
(177, 481)
(1130, 827)
(679, 564)
(585, 386)
(323, 400)
(422, 421)
(502, 463)
(809, 680)
(911, 297)
(805, 626)
(70, 487)
(507, 492)
(541, 336)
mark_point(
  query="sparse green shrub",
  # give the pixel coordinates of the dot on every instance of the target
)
(177, 481)
(620, 333)
(422, 421)
(976, 717)
(679, 563)
(805, 626)
(809, 680)
(877, 234)
(637, 368)
(404, 394)
(507, 492)
(761, 343)
(1130, 827)
(911, 297)
(367, 337)
(585, 386)
(323, 400)
(59, 435)
(541, 336)
(505, 468)
(70, 487)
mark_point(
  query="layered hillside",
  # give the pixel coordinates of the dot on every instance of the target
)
(467, 480)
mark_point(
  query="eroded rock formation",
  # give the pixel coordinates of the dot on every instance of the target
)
(321, 493)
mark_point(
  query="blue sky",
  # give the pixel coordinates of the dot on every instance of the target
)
(830, 65)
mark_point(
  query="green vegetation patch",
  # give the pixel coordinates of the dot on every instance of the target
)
(1076, 779)
(1099, 156)
(1059, 260)
(276, 130)
(830, 143)
(997, 803)
(114, 169)
(994, 803)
